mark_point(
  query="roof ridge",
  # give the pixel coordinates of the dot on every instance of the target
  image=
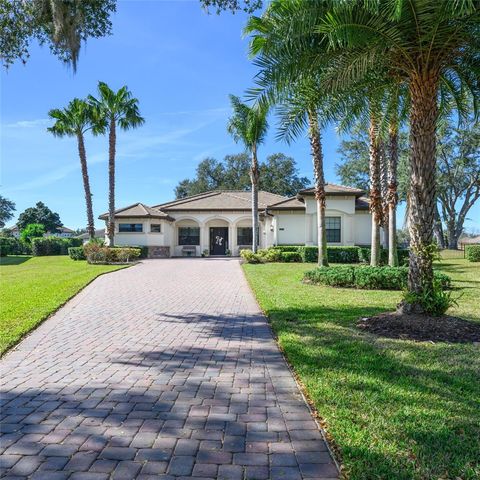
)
(179, 201)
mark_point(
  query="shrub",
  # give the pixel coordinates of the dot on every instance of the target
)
(251, 257)
(14, 246)
(53, 245)
(366, 277)
(291, 257)
(473, 253)
(76, 253)
(287, 248)
(96, 253)
(338, 276)
(143, 249)
(272, 255)
(436, 302)
(309, 254)
(343, 254)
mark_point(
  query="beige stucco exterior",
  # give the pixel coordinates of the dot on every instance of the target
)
(278, 226)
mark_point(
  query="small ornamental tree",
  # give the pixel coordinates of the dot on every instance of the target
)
(32, 230)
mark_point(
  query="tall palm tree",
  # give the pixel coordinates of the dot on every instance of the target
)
(434, 49)
(294, 90)
(249, 125)
(114, 109)
(74, 121)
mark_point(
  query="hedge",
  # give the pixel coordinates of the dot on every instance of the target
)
(53, 245)
(14, 246)
(286, 248)
(96, 253)
(366, 277)
(473, 253)
(77, 253)
(291, 257)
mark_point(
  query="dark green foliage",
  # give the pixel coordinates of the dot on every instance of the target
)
(143, 249)
(13, 246)
(366, 277)
(338, 276)
(40, 213)
(77, 253)
(309, 254)
(436, 302)
(53, 245)
(291, 257)
(286, 248)
(279, 174)
(7, 207)
(473, 253)
(31, 231)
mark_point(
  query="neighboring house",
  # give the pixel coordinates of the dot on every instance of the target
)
(219, 222)
(63, 232)
(469, 241)
(100, 233)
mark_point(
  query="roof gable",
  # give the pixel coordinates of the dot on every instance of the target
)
(137, 210)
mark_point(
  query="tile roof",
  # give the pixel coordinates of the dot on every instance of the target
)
(138, 210)
(362, 203)
(221, 200)
(100, 233)
(292, 203)
(334, 189)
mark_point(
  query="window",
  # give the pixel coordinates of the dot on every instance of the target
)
(333, 227)
(189, 236)
(244, 235)
(130, 227)
(156, 228)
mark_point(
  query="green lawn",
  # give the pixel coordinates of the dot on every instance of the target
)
(34, 287)
(395, 409)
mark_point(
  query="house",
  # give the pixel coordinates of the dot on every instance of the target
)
(100, 234)
(219, 222)
(62, 232)
(465, 241)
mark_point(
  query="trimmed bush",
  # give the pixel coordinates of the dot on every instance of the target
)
(143, 249)
(291, 257)
(366, 277)
(287, 248)
(96, 253)
(473, 253)
(14, 246)
(309, 254)
(338, 276)
(53, 245)
(343, 254)
(77, 253)
(251, 257)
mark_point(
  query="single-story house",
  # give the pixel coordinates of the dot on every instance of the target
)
(468, 241)
(219, 222)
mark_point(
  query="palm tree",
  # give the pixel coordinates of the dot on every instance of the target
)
(433, 49)
(74, 121)
(294, 90)
(114, 109)
(249, 125)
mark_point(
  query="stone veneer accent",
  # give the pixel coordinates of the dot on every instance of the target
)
(159, 252)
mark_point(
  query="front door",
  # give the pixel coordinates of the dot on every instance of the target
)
(218, 240)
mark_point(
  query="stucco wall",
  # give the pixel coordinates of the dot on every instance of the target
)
(146, 237)
(363, 228)
(290, 228)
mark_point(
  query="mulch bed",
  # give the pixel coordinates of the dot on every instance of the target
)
(421, 328)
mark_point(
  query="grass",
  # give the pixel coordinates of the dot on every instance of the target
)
(34, 287)
(395, 409)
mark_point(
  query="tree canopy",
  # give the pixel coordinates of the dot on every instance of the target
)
(41, 214)
(7, 207)
(278, 174)
(61, 25)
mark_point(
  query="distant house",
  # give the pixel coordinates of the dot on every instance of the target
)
(220, 222)
(469, 241)
(63, 232)
(100, 233)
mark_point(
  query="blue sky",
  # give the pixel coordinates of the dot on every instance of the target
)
(181, 64)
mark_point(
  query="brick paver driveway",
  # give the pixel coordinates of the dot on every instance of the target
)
(164, 370)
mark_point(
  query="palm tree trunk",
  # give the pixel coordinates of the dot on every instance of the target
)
(375, 196)
(254, 176)
(384, 193)
(111, 183)
(86, 186)
(423, 119)
(317, 157)
(392, 196)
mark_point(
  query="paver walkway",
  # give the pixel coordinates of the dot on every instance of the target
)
(164, 370)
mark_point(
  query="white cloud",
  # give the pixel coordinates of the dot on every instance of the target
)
(39, 122)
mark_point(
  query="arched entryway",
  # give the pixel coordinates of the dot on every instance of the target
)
(219, 237)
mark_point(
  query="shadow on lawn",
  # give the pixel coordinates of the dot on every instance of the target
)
(14, 259)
